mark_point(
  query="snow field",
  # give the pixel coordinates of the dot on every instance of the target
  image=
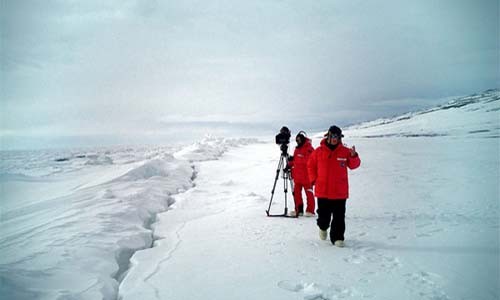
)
(410, 223)
(190, 223)
(70, 227)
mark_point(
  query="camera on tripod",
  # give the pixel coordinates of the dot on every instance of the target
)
(283, 139)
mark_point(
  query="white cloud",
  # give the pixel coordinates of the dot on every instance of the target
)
(123, 66)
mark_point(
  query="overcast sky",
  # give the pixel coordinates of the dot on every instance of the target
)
(71, 68)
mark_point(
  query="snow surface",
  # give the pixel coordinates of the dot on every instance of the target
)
(190, 223)
(71, 221)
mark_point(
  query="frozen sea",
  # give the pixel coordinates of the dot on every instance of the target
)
(189, 222)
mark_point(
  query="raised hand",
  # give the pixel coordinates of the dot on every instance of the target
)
(353, 151)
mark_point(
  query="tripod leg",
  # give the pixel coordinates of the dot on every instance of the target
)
(280, 165)
(285, 188)
(293, 193)
(291, 179)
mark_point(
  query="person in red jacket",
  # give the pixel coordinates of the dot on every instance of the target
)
(298, 165)
(327, 169)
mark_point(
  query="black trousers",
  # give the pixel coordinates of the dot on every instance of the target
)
(327, 209)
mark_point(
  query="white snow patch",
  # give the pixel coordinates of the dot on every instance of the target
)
(71, 223)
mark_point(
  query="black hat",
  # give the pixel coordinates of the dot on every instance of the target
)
(302, 135)
(335, 130)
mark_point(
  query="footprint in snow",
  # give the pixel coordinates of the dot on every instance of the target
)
(356, 259)
(315, 291)
(424, 284)
(228, 183)
(366, 253)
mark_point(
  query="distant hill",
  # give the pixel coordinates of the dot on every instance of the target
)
(476, 115)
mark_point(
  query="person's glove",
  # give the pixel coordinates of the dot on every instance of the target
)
(353, 151)
(290, 158)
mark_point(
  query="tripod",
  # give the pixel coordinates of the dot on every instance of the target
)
(287, 176)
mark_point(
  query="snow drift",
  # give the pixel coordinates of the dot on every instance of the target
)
(71, 221)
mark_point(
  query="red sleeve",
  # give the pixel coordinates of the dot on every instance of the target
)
(312, 165)
(310, 150)
(290, 163)
(353, 162)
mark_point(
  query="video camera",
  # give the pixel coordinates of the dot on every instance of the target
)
(284, 136)
(283, 139)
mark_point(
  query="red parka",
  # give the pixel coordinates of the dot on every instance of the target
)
(299, 163)
(327, 169)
